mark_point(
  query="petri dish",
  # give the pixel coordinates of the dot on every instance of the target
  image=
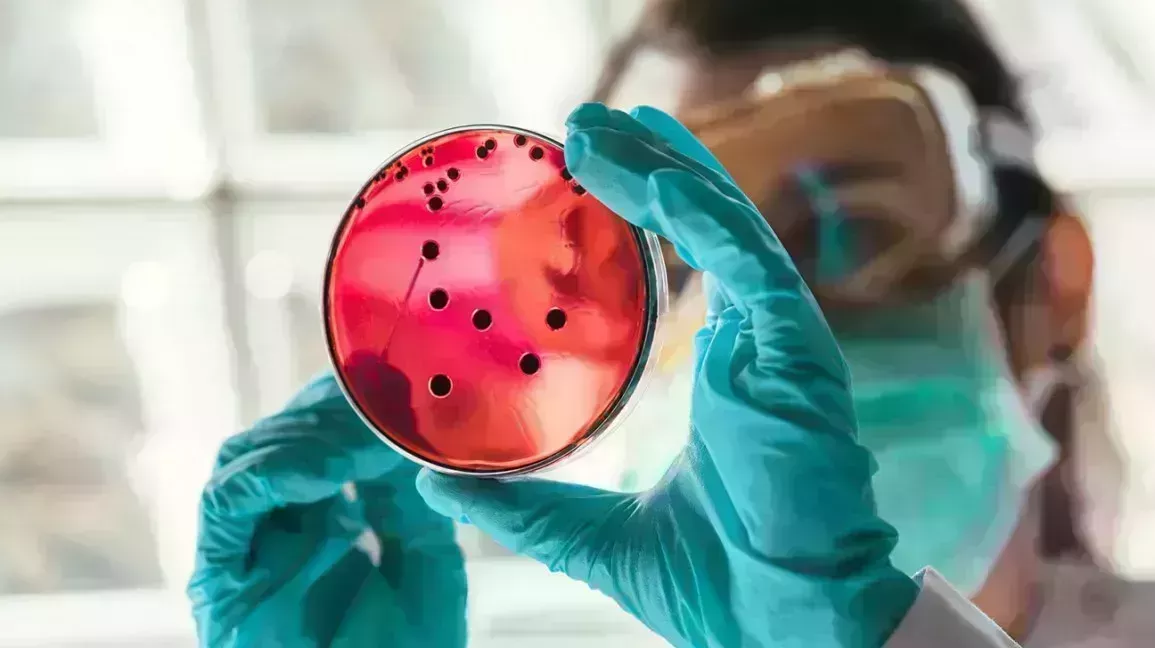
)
(484, 314)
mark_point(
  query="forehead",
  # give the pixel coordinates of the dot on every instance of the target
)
(711, 78)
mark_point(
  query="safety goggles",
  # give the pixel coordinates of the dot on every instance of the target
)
(909, 159)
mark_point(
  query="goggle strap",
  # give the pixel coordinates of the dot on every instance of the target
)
(1007, 140)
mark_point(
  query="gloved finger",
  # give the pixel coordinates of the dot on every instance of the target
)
(293, 466)
(319, 436)
(788, 445)
(726, 238)
(563, 526)
(790, 334)
(651, 125)
(417, 558)
(597, 113)
(672, 139)
(281, 462)
(398, 515)
(288, 552)
(683, 141)
(679, 137)
(626, 173)
(683, 146)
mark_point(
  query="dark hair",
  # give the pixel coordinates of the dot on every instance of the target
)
(941, 32)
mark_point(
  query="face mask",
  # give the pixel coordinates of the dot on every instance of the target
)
(956, 448)
(908, 153)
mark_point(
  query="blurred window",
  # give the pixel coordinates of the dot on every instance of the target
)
(113, 396)
(1121, 229)
(71, 415)
(349, 66)
(97, 99)
(144, 318)
(282, 249)
(45, 83)
(306, 335)
(653, 78)
(1121, 408)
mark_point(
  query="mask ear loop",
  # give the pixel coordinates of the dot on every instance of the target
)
(1052, 387)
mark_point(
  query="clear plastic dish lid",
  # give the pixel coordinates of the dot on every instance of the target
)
(485, 315)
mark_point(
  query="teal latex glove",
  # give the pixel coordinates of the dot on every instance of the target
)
(278, 559)
(764, 532)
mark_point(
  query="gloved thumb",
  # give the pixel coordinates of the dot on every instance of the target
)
(567, 527)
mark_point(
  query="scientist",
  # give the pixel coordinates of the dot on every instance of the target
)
(946, 385)
(764, 532)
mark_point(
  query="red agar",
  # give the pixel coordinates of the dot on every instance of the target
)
(484, 313)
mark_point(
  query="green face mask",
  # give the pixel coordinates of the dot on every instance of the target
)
(957, 450)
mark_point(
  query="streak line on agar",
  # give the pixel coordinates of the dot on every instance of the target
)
(404, 305)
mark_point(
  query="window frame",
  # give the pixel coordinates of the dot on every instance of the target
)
(151, 141)
(130, 255)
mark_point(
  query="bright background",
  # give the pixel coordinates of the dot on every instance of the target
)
(171, 172)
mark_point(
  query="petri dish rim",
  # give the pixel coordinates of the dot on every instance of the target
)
(619, 409)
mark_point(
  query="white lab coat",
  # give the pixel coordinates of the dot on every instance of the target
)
(1083, 607)
(944, 618)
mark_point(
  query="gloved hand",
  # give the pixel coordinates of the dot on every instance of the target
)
(764, 532)
(281, 558)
